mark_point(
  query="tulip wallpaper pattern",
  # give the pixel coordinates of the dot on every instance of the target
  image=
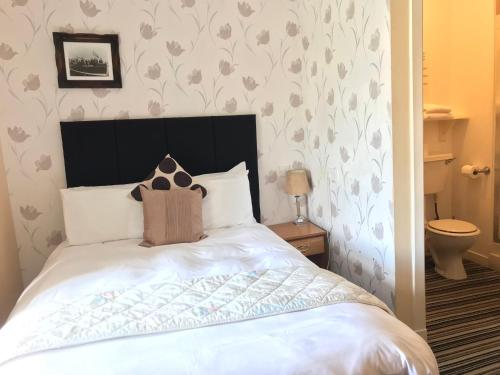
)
(316, 73)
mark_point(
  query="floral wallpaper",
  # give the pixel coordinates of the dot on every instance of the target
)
(316, 73)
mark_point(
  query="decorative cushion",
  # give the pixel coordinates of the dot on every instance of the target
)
(167, 175)
(173, 216)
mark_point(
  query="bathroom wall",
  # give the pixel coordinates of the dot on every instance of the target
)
(494, 256)
(436, 90)
(472, 88)
(317, 74)
(496, 222)
(459, 51)
(437, 49)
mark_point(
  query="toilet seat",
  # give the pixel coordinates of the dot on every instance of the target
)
(452, 227)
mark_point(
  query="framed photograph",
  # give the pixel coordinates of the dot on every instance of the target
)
(87, 60)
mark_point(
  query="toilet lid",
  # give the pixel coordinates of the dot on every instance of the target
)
(452, 226)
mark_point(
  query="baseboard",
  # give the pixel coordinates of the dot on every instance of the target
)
(422, 333)
(494, 261)
(477, 258)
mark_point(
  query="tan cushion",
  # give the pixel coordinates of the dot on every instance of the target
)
(172, 216)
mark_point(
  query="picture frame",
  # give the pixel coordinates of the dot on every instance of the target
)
(87, 60)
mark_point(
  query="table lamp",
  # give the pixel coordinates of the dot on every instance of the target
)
(297, 184)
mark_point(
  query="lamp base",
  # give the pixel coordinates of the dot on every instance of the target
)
(300, 220)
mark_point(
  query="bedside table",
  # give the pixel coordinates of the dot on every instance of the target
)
(308, 238)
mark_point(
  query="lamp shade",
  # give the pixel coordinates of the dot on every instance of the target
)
(297, 182)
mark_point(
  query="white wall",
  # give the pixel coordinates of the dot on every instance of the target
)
(437, 34)
(496, 228)
(472, 85)
(460, 61)
(406, 57)
(10, 275)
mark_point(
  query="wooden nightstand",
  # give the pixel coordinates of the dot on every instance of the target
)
(308, 238)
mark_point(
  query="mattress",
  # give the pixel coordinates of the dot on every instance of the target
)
(342, 338)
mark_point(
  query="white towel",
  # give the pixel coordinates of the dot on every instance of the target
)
(436, 108)
(438, 116)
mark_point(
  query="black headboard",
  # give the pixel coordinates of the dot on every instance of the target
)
(113, 152)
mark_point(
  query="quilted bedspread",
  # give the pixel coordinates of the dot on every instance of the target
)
(178, 304)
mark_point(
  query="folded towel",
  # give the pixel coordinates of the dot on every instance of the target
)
(436, 108)
(438, 116)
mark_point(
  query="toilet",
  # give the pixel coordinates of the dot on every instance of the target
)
(448, 239)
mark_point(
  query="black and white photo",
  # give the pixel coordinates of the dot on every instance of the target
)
(87, 60)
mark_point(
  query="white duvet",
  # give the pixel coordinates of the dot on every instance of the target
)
(345, 338)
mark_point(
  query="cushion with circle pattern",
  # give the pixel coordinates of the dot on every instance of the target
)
(167, 175)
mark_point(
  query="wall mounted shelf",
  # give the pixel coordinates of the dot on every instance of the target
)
(447, 157)
(445, 119)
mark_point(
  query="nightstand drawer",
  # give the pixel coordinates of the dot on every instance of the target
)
(310, 246)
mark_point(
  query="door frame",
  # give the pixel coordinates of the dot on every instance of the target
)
(407, 119)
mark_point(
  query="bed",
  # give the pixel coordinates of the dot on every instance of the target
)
(58, 324)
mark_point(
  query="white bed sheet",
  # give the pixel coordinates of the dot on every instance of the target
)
(347, 338)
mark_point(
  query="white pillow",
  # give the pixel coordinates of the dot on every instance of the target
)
(237, 170)
(228, 202)
(108, 213)
(101, 213)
